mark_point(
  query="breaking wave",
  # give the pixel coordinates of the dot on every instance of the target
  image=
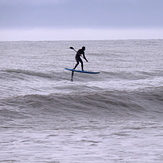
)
(104, 104)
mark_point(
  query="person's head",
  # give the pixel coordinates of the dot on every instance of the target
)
(83, 48)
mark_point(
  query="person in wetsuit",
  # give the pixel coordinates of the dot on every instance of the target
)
(78, 59)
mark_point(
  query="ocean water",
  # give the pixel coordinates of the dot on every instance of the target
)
(111, 117)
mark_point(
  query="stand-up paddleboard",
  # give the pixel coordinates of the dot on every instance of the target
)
(88, 72)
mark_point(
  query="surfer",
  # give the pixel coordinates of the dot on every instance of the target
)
(78, 59)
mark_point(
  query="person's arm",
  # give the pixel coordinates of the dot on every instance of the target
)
(84, 57)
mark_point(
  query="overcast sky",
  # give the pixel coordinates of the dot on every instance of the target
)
(80, 19)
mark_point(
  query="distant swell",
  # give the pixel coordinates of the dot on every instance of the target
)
(27, 74)
(132, 75)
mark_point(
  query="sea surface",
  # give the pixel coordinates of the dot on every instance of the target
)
(112, 117)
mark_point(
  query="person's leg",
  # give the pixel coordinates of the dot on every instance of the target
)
(80, 60)
(82, 65)
(76, 65)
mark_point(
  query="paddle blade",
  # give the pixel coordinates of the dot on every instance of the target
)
(71, 48)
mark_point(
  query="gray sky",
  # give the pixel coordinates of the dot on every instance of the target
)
(80, 19)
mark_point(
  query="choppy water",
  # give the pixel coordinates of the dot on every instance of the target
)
(115, 116)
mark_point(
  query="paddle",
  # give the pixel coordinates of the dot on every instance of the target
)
(73, 49)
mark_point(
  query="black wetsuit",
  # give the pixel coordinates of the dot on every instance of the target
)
(78, 59)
